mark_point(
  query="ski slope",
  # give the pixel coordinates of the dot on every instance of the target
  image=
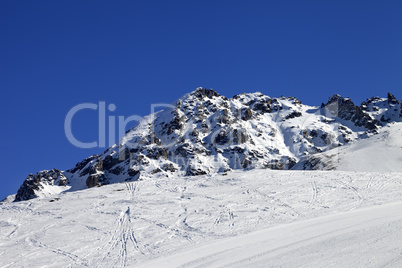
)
(244, 218)
(378, 153)
(362, 238)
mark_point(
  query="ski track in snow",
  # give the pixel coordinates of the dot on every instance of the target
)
(123, 238)
(144, 222)
(303, 244)
(315, 193)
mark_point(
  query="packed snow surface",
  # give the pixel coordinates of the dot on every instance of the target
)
(382, 152)
(362, 238)
(257, 218)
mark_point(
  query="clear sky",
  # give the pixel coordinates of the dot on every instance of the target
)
(57, 54)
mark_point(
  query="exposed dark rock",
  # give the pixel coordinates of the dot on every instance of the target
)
(236, 149)
(157, 152)
(383, 119)
(316, 163)
(169, 167)
(287, 163)
(141, 160)
(110, 161)
(34, 182)
(239, 136)
(153, 139)
(347, 110)
(295, 100)
(133, 172)
(185, 150)
(392, 99)
(274, 104)
(97, 165)
(175, 124)
(364, 106)
(293, 115)
(116, 170)
(194, 133)
(256, 154)
(222, 138)
(246, 162)
(157, 170)
(246, 114)
(201, 93)
(224, 117)
(93, 180)
(262, 106)
(191, 171)
(204, 127)
(82, 164)
(373, 99)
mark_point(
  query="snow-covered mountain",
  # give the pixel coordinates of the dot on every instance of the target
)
(204, 132)
(237, 211)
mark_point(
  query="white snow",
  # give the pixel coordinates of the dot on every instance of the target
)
(253, 218)
(362, 238)
(378, 153)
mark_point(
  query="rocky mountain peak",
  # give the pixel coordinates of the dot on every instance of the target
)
(391, 99)
(344, 108)
(206, 133)
(202, 93)
(35, 183)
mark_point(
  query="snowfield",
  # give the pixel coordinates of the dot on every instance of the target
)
(257, 218)
(363, 238)
(378, 153)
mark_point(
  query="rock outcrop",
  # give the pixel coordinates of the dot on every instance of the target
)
(205, 132)
(35, 183)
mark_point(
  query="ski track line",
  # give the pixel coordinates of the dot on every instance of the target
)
(71, 256)
(38, 244)
(278, 201)
(266, 245)
(27, 211)
(220, 218)
(370, 182)
(354, 190)
(124, 235)
(315, 193)
(385, 184)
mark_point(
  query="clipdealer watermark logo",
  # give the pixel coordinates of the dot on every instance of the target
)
(108, 123)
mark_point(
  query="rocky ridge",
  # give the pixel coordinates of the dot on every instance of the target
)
(205, 133)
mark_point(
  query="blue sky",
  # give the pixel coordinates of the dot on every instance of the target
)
(57, 54)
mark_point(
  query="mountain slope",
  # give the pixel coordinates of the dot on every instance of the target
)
(318, 242)
(379, 153)
(131, 223)
(206, 133)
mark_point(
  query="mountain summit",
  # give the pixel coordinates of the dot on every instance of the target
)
(204, 132)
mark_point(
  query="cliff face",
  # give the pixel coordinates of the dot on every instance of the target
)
(205, 133)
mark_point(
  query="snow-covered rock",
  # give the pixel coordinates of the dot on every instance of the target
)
(204, 132)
